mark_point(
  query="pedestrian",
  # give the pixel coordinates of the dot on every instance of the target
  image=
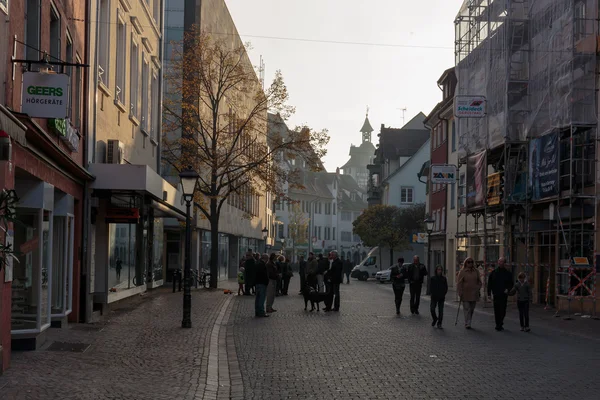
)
(323, 266)
(523, 291)
(278, 264)
(302, 272)
(416, 274)
(250, 272)
(119, 266)
(286, 274)
(311, 271)
(336, 279)
(347, 269)
(439, 288)
(399, 275)
(468, 285)
(500, 283)
(273, 276)
(262, 280)
(241, 282)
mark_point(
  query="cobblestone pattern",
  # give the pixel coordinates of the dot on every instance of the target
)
(366, 352)
(139, 353)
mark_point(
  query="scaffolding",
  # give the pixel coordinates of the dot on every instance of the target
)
(535, 61)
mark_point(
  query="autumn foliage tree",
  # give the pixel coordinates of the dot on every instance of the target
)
(215, 121)
(298, 225)
(391, 226)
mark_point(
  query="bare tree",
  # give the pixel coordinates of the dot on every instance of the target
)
(215, 121)
(298, 226)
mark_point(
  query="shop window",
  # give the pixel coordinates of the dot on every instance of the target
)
(223, 255)
(62, 265)
(157, 249)
(122, 256)
(31, 275)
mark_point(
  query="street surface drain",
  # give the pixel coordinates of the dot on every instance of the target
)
(70, 347)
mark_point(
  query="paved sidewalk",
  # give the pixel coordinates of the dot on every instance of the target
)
(139, 352)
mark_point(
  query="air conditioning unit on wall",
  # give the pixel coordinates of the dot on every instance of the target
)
(114, 152)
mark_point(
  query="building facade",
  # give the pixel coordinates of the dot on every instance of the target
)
(394, 177)
(126, 215)
(242, 223)
(42, 103)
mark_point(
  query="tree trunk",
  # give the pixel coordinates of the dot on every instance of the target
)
(214, 244)
(391, 256)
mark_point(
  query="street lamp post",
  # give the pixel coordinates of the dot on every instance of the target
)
(189, 181)
(429, 222)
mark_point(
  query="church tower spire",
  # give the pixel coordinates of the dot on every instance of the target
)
(366, 129)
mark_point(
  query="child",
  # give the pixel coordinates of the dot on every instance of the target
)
(439, 288)
(523, 291)
(241, 282)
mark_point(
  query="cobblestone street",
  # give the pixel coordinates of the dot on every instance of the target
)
(363, 352)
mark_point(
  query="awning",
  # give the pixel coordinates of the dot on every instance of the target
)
(139, 179)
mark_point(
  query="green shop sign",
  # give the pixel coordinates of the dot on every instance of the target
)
(69, 135)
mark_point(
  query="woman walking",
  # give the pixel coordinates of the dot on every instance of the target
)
(439, 288)
(272, 288)
(468, 285)
(523, 291)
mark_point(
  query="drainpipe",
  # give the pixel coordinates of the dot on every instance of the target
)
(161, 51)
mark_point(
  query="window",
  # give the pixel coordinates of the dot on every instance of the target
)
(156, 11)
(579, 21)
(333, 236)
(406, 195)
(104, 41)
(54, 33)
(346, 216)
(280, 229)
(145, 109)
(69, 71)
(77, 95)
(443, 219)
(121, 59)
(4, 6)
(461, 192)
(154, 114)
(133, 96)
(452, 196)
(453, 136)
(355, 238)
(32, 30)
(444, 129)
(319, 235)
(333, 208)
(346, 236)
(288, 231)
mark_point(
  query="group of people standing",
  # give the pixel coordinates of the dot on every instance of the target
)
(469, 283)
(264, 276)
(323, 275)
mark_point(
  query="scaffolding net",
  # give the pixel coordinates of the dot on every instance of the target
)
(533, 60)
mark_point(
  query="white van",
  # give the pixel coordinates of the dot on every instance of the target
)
(367, 268)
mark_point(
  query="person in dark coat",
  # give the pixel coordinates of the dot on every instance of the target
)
(416, 273)
(311, 271)
(286, 275)
(336, 278)
(347, 269)
(439, 288)
(323, 264)
(302, 273)
(500, 283)
(262, 281)
(399, 275)
(249, 272)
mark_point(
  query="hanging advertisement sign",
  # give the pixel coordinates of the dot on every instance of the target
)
(543, 166)
(66, 132)
(45, 95)
(476, 180)
(419, 238)
(469, 106)
(443, 173)
(494, 189)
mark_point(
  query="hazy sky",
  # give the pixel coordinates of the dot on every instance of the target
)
(331, 84)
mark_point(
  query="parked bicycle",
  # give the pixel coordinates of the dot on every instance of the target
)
(202, 278)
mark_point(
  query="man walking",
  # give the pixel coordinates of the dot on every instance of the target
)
(416, 274)
(302, 273)
(499, 284)
(399, 274)
(347, 269)
(336, 279)
(262, 280)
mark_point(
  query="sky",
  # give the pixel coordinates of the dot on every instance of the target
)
(404, 48)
